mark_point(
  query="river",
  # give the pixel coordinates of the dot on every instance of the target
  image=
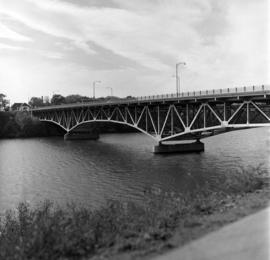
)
(118, 166)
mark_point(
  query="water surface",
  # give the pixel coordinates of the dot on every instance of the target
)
(118, 166)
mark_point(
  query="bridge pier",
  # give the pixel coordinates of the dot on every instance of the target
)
(195, 147)
(81, 135)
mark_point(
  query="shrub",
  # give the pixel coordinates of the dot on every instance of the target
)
(50, 232)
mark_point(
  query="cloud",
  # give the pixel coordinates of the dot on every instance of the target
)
(136, 36)
(7, 33)
(9, 47)
(93, 3)
(134, 45)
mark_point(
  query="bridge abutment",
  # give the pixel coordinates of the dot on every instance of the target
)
(195, 147)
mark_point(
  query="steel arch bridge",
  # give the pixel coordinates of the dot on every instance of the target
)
(170, 117)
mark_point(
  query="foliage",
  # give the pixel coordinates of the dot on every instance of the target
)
(36, 102)
(21, 124)
(8, 127)
(2, 96)
(58, 99)
(76, 99)
(4, 118)
(51, 232)
(4, 103)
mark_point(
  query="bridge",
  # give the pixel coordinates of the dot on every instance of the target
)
(170, 117)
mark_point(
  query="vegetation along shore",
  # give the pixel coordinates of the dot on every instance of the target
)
(129, 230)
(20, 124)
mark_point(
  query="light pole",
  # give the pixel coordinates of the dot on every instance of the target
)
(178, 78)
(94, 87)
(111, 90)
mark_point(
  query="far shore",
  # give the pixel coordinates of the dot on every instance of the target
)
(20, 124)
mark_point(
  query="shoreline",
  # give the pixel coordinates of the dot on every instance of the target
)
(199, 226)
(233, 209)
(127, 231)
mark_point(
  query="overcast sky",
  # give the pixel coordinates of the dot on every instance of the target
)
(62, 46)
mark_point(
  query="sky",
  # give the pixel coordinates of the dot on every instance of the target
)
(131, 46)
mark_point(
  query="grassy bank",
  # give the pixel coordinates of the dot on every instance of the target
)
(123, 230)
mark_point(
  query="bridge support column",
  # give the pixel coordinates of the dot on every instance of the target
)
(195, 147)
(81, 135)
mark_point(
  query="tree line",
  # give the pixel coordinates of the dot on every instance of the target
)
(58, 99)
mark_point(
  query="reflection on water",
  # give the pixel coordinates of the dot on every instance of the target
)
(118, 166)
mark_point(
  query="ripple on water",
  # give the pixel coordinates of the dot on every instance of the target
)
(118, 166)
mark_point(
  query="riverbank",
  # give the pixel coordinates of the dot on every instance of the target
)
(245, 239)
(127, 230)
(232, 209)
(20, 124)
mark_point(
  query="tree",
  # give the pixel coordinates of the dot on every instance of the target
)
(58, 99)
(4, 103)
(36, 102)
(73, 99)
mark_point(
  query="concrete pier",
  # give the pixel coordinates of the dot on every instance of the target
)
(81, 135)
(195, 147)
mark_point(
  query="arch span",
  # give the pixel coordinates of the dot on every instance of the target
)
(54, 123)
(113, 122)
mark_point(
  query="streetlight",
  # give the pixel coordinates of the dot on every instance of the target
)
(94, 87)
(178, 78)
(111, 90)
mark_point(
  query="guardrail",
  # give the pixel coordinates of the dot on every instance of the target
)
(200, 93)
(190, 94)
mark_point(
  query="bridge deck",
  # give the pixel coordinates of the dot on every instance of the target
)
(215, 94)
(170, 117)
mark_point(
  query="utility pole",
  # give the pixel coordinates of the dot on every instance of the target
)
(177, 77)
(94, 87)
(111, 90)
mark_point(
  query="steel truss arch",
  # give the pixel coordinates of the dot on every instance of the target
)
(115, 122)
(55, 123)
(167, 120)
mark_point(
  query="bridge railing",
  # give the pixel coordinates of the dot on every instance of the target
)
(213, 92)
(221, 91)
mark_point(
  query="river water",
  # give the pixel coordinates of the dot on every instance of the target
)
(118, 166)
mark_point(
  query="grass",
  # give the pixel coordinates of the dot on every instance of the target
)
(50, 232)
